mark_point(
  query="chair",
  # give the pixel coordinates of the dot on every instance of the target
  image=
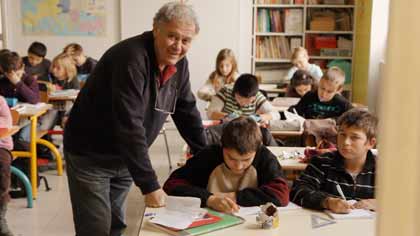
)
(163, 131)
(25, 182)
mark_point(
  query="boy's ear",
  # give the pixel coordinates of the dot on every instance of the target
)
(340, 88)
(372, 142)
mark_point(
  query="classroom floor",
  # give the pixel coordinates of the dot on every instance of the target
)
(52, 216)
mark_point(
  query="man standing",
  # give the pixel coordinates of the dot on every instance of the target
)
(118, 114)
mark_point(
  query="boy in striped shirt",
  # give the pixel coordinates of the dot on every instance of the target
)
(244, 99)
(352, 168)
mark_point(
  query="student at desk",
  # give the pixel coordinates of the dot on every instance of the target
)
(239, 172)
(326, 102)
(351, 169)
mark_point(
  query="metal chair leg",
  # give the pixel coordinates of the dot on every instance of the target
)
(25, 182)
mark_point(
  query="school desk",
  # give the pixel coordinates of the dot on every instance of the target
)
(292, 222)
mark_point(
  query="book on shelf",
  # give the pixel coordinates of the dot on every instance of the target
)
(275, 47)
(293, 20)
(213, 221)
(275, 2)
(295, 42)
(269, 20)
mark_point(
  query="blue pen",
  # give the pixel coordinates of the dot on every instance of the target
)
(149, 214)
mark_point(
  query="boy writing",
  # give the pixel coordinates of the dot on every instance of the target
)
(326, 102)
(244, 99)
(351, 168)
(240, 172)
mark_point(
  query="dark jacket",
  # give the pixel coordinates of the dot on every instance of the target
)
(40, 71)
(25, 91)
(310, 107)
(192, 179)
(323, 173)
(87, 67)
(115, 113)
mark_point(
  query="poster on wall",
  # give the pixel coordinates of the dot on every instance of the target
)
(63, 17)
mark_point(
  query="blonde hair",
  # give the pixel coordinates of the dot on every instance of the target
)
(335, 75)
(299, 51)
(73, 49)
(66, 61)
(226, 54)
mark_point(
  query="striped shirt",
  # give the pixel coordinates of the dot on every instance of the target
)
(323, 173)
(231, 105)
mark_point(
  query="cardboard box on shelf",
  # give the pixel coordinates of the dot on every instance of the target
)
(323, 23)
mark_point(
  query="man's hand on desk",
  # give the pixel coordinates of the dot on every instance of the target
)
(155, 199)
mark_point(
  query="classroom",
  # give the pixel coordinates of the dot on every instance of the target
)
(223, 117)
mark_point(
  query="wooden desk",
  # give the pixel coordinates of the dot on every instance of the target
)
(292, 163)
(33, 112)
(6, 132)
(282, 133)
(63, 95)
(292, 222)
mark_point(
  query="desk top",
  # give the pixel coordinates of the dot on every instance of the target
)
(292, 222)
(26, 110)
(282, 133)
(290, 163)
(63, 95)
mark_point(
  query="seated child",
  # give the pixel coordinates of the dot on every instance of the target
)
(64, 72)
(226, 73)
(300, 84)
(14, 83)
(300, 61)
(36, 65)
(6, 144)
(352, 167)
(240, 172)
(326, 102)
(244, 99)
(85, 65)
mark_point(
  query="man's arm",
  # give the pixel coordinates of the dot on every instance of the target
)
(128, 107)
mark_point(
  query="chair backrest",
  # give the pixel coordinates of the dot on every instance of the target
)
(15, 117)
(45, 88)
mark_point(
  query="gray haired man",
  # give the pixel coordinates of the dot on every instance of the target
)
(118, 114)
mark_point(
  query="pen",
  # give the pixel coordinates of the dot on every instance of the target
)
(340, 191)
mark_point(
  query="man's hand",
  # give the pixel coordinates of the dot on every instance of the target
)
(155, 199)
(338, 205)
(222, 204)
(367, 204)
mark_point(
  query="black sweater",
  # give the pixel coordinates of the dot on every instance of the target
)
(192, 179)
(114, 116)
(310, 107)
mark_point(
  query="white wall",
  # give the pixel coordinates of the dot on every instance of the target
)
(378, 46)
(93, 46)
(223, 24)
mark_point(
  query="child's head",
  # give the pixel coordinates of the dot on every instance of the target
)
(330, 84)
(241, 139)
(36, 53)
(356, 133)
(245, 89)
(10, 62)
(226, 64)
(300, 58)
(301, 82)
(76, 52)
(63, 67)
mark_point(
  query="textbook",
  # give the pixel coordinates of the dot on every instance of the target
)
(211, 222)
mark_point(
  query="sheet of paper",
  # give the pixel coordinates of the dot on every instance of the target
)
(355, 213)
(290, 206)
(179, 212)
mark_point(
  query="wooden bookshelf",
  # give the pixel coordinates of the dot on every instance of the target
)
(303, 23)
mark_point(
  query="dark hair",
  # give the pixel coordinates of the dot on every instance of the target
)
(10, 61)
(301, 77)
(38, 49)
(361, 119)
(246, 86)
(243, 135)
